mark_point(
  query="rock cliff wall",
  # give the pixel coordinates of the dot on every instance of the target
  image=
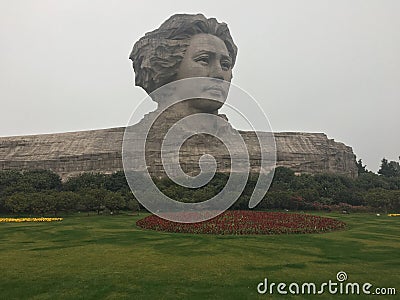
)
(72, 153)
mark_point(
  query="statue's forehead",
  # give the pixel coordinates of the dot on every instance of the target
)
(207, 42)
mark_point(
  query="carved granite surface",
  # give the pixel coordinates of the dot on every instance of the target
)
(72, 153)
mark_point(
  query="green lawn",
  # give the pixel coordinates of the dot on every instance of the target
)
(108, 257)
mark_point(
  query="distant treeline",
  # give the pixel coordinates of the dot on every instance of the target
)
(41, 192)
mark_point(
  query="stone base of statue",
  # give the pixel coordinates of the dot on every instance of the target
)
(99, 151)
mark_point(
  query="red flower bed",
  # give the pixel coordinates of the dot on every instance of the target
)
(247, 222)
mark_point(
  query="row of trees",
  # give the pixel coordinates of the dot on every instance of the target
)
(51, 202)
(42, 192)
(387, 169)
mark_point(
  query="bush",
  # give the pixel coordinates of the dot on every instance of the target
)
(42, 180)
(18, 203)
(384, 200)
(85, 181)
(114, 202)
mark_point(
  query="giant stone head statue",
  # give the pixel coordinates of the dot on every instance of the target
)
(184, 46)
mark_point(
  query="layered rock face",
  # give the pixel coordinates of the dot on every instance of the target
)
(314, 153)
(73, 153)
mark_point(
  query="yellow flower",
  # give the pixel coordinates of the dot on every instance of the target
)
(19, 220)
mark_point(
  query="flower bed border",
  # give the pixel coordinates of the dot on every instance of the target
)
(248, 223)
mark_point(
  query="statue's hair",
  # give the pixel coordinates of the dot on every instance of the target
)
(157, 55)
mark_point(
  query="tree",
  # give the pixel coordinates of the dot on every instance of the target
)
(133, 205)
(116, 182)
(18, 203)
(388, 200)
(395, 201)
(371, 180)
(393, 182)
(42, 180)
(12, 182)
(389, 169)
(42, 203)
(93, 199)
(308, 194)
(361, 168)
(85, 181)
(379, 198)
(283, 178)
(7, 179)
(333, 186)
(276, 199)
(114, 202)
(65, 201)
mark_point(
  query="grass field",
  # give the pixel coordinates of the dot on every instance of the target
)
(108, 257)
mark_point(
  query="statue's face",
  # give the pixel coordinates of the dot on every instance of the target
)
(206, 56)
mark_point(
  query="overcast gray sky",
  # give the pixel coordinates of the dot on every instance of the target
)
(314, 66)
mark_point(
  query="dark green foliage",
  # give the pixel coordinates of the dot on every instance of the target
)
(41, 192)
(18, 203)
(93, 199)
(330, 190)
(389, 169)
(67, 201)
(360, 167)
(370, 181)
(333, 186)
(42, 203)
(276, 199)
(42, 180)
(30, 181)
(8, 181)
(114, 202)
(283, 178)
(308, 194)
(305, 181)
(386, 200)
(14, 188)
(85, 181)
(183, 194)
(14, 182)
(393, 183)
(132, 205)
(116, 182)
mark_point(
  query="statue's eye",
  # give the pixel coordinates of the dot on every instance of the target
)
(204, 59)
(225, 65)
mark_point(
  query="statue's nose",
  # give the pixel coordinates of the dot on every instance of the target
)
(216, 71)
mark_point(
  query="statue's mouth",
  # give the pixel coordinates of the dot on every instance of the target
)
(216, 90)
